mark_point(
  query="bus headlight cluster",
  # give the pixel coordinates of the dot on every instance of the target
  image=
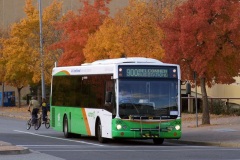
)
(177, 127)
(119, 126)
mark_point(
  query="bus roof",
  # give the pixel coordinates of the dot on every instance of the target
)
(125, 60)
(105, 66)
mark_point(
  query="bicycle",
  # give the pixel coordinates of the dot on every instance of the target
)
(29, 123)
(37, 125)
(47, 122)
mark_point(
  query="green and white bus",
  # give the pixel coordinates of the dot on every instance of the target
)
(86, 99)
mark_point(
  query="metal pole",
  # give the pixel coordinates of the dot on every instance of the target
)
(3, 14)
(195, 79)
(2, 96)
(41, 49)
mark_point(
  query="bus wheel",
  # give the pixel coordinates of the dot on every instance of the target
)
(99, 133)
(65, 128)
(158, 141)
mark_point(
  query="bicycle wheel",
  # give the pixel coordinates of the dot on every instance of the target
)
(47, 123)
(38, 124)
(29, 124)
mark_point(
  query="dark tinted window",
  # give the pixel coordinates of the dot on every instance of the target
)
(84, 91)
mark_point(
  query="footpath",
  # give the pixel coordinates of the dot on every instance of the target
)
(224, 131)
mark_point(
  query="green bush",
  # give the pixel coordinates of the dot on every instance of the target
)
(24, 98)
(234, 111)
(217, 107)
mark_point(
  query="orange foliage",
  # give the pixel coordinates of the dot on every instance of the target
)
(132, 32)
(21, 49)
(76, 30)
(203, 36)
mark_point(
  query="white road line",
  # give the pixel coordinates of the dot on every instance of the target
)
(51, 145)
(93, 150)
(127, 150)
(58, 138)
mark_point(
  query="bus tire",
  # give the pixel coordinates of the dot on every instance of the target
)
(65, 128)
(158, 141)
(99, 133)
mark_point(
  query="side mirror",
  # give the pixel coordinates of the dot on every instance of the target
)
(183, 82)
(188, 88)
(108, 97)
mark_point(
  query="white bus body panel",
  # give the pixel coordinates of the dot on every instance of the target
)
(106, 121)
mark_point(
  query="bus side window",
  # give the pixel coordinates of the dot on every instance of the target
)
(84, 92)
(108, 97)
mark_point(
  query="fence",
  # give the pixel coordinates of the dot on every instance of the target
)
(191, 104)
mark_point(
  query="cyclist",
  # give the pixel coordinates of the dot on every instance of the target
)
(35, 109)
(44, 110)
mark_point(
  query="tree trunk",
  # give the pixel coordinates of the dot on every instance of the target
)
(19, 96)
(205, 116)
(2, 103)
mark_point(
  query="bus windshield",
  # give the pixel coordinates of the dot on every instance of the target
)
(154, 98)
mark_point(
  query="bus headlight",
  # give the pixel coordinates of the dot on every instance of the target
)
(119, 126)
(177, 127)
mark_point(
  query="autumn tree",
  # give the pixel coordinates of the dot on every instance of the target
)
(132, 32)
(51, 16)
(165, 8)
(76, 29)
(21, 50)
(203, 37)
(105, 43)
(3, 34)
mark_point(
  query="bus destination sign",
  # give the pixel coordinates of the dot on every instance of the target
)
(162, 73)
(148, 72)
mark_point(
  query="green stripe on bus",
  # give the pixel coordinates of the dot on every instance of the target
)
(61, 73)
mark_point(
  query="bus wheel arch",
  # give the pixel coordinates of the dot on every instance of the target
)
(98, 131)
